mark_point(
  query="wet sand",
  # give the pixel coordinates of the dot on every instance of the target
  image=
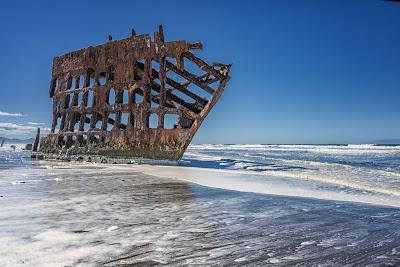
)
(90, 215)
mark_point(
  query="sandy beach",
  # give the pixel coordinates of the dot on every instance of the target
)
(71, 214)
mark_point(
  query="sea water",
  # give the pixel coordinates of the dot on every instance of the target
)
(364, 169)
(370, 167)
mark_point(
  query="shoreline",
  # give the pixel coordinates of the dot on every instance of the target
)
(245, 181)
(252, 182)
(196, 168)
(95, 214)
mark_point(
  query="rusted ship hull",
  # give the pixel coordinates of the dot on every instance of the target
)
(105, 99)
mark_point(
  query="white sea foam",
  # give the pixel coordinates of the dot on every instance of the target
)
(331, 149)
(307, 243)
(276, 173)
(359, 169)
(259, 183)
(112, 228)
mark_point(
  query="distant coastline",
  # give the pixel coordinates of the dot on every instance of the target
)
(17, 141)
(395, 142)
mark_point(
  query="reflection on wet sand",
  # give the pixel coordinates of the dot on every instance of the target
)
(88, 215)
(71, 215)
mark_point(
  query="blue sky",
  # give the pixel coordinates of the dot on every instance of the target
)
(303, 71)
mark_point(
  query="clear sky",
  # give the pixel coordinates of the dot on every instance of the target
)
(303, 71)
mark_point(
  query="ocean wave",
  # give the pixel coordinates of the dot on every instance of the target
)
(363, 167)
(331, 149)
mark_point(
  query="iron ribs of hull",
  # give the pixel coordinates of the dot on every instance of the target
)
(131, 98)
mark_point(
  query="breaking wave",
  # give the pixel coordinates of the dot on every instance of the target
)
(365, 169)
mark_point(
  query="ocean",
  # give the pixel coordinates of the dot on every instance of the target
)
(365, 169)
(230, 205)
(359, 173)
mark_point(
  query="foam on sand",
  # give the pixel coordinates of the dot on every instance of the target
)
(268, 184)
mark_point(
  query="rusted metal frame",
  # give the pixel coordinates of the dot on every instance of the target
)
(173, 97)
(104, 121)
(159, 39)
(36, 143)
(190, 77)
(116, 124)
(161, 77)
(202, 65)
(177, 86)
(62, 121)
(92, 125)
(196, 45)
(154, 98)
(86, 84)
(222, 65)
(188, 112)
(71, 126)
(211, 81)
(79, 135)
(79, 90)
(106, 86)
(73, 115)
(109, 120)
(207, 80)
(66, 121)
(82, 121)
(98, 118)
(67, 98)
(54, 122)
(180, 62)
(187, 92)
(131, 119)
(93, 120)
(119, 95)
(87, 89)
(53, 87)
(203, 114)
(139, 91)
(165, 111)
(76, 93)
(147, 78)
(190, 106)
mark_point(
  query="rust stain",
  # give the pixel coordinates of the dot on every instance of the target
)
(104, 97)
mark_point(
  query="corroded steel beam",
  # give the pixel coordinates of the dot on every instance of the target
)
(104, 99)
(190, 77)
(36, 143)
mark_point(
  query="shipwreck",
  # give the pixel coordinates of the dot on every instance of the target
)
(135, 98)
